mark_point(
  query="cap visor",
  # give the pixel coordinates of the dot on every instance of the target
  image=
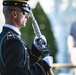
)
(25, 9)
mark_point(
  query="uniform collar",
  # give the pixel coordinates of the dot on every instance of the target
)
(13, 28)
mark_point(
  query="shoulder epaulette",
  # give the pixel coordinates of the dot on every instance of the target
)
(10, 35)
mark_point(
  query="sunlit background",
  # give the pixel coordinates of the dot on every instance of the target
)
(61, 14)
(1, 16)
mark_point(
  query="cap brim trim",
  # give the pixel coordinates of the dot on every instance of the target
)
(14, 3)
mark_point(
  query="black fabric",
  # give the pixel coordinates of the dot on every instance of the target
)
(3, 70)
(15, 54)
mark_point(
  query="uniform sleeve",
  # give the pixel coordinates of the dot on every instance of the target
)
(13, 57)
(34, 54)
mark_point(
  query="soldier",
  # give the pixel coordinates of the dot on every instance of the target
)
(15, 56)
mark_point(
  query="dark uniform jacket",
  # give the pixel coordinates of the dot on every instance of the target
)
(16, 58)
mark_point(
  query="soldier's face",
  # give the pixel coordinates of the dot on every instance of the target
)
(19, 17)
(22, 18)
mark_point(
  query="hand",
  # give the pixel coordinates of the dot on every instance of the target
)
(49, 60)
(36, 40)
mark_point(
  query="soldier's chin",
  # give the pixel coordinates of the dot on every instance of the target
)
(23, 25)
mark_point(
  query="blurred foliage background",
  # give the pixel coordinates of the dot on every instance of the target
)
(44, 25)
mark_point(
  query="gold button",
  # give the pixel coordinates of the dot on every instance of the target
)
(15, 3)
(5, 3)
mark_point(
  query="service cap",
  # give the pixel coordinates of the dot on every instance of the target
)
(20, 3)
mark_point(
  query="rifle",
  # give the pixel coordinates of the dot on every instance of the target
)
(43, 47)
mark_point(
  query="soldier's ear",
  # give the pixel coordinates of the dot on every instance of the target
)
(14, 14)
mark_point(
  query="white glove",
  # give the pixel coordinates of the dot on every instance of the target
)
(49, 60)
(42, 37)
